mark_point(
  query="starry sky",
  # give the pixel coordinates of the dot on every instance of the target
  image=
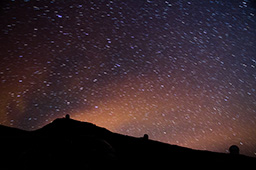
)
(181, 71)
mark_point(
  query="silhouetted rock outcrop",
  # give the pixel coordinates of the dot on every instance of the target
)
(70, 144)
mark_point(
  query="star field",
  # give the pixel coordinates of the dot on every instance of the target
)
(181, 71)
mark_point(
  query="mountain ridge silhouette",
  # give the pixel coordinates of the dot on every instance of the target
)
(67, 143)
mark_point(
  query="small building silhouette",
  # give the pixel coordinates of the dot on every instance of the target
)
(145, 137)
(67, 116)
(234, 150)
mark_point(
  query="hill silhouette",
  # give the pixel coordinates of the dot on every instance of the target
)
(70, 144)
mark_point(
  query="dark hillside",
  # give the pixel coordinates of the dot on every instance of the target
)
(69, 144)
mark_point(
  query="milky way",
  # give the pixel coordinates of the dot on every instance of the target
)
(181, 71)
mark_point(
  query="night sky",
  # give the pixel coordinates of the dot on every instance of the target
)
(181, 71)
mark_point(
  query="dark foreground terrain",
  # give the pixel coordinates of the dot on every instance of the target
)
(69, 144)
